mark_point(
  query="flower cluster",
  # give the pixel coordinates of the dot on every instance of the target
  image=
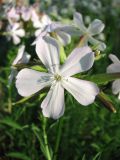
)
(49, 39)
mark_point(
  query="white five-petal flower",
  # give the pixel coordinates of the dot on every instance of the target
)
(15, 32)
(115, 68)
(29, 13)
(40, 25)
(58, 77)
(21, 58)
(47, 26)
(12, 15)
(95, 28)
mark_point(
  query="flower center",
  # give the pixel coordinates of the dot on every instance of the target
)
(57, 77)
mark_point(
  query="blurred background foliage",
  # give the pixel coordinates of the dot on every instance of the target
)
(88, 133)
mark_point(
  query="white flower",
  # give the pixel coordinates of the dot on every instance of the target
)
(13, 15)
(60, 31)
(115, 68)
(95, 28)
(30, 14)
(58, 77)
(40, 25)
(15, 32)
(21, 58)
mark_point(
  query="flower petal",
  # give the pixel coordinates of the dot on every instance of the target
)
(116, 86)
(70, 29)
(64, 38)
(83, 91)
(20, 32)
(81, 59)
(26, 13)
(47, 50)
(19, 55)
(113, 58)
(37, 32)
(53, 105)
(15, 26)
(30, 81)
(34, 15)
(46, 20)
(100, 45)
(96, 27)
(78, 20)
(113, 68)
(22, 56)
(16, 39)
(13, 14)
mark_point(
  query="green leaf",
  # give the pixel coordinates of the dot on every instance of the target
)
(104, 78)
(97, 156)
(83, 158)
(17, 155)
(39, 136)
(10, 122)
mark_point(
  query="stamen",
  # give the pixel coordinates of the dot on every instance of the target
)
(57, 77)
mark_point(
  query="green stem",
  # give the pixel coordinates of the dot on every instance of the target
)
(9, 100)
(59, 131)
(46, 139)
(4, 33)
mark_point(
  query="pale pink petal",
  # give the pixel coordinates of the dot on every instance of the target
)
(13, 14)
(26, 14)
(15, 26)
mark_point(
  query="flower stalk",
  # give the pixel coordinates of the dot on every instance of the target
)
(46, 139)
(9, 100)
(59, 132)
